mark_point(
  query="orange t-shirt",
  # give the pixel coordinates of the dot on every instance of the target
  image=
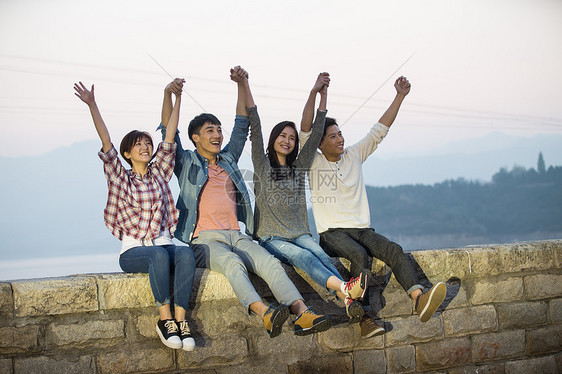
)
(217, 203)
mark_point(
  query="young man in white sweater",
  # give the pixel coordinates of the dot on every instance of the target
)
(341, 212)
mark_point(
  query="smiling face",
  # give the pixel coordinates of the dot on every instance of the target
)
(332, 144)
(285, 142)
(208, 140)
(140, 153)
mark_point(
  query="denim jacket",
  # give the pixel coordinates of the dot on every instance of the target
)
(192, 172)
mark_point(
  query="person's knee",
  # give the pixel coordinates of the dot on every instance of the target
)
(232, 265)
(160, 256)
(184, 256)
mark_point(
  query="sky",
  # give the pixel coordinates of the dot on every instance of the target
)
(475, 66)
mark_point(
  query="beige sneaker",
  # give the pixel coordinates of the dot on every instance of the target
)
(356, 287)
(370, 327)
(428, 302)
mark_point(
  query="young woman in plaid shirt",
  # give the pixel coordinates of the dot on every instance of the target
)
(140, 212)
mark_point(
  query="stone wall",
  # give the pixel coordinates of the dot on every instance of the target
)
(503, 313)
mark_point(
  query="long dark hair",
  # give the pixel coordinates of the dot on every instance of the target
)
(279, 172)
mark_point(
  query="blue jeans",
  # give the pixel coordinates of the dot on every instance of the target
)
(305, 254)
(232, 254)
(158, 261)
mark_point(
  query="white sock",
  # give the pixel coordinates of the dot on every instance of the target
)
(342, 288)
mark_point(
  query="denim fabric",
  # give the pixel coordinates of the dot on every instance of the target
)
(158, 262)
(191, 169)
(357, 245)
(305, 254)
(231, 253)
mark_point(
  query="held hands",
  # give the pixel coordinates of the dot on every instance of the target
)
(238, 75)
(322, 83)
(175, 86)
(83, 93)
(402, 86)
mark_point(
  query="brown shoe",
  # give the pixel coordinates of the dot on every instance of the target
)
(428, 302)
(370, 327)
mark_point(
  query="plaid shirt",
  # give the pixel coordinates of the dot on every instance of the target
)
(140, 207)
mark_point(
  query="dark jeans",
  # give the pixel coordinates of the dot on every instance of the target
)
(158, 262)
(357, 245)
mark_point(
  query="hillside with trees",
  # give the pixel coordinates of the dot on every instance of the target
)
(518, 204)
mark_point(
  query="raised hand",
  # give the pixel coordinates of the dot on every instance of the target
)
(83, 93)
(323, 81)
(175, 86)
(402, 86)
(237, 74)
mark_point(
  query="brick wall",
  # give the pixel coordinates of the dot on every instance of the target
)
(502, 314)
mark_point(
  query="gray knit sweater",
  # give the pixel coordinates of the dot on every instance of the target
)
(281, 204)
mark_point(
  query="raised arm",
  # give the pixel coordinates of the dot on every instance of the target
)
(402, 89)
(174, 87)
(308, 111)
(240, 131)
(174, 119)
(240, 76)
(88, 98)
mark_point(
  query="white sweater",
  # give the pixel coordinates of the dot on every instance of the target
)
(338, 195)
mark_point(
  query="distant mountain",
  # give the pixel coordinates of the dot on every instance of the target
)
(52, 205)
(472, 159)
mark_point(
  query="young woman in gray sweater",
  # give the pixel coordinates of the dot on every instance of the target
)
(281, 220)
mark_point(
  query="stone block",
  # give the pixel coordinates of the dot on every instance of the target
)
(253, 366)
(88, 333)
(526, 256)
(136, 359)
(52, 296)
(458, 263)
(22, 339)
(433, 263)
(457, 297)
(544, 340)
(410, 330)
(541, 365)
(500, 291)
(211, 286)
(6, 300)
(343, 338)
(484, 261)
(543, 286)
(58, 365)
(146, 326)
(459, 322)
(6, 366)
(336, 364)
(401, 359)
(520, 315)
(285, 349)
(222, 317)
(227, 351)
(397, 303)
(495, 368)
(120, 290)
(555, 310)
(369, 362)
(506, 344)
(443, 354)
